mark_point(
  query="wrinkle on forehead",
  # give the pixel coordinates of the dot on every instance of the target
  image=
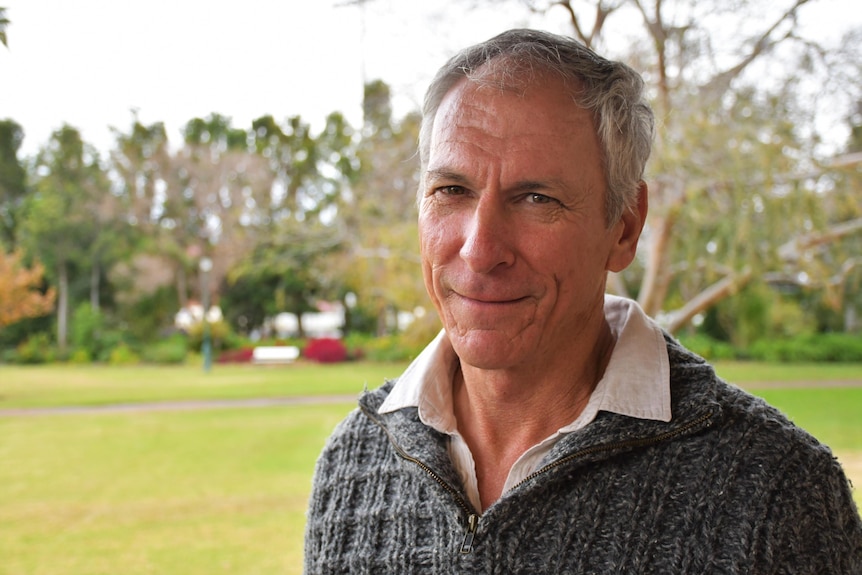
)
(475, 114)
(512, 75)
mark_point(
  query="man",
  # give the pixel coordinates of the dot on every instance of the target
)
(551, 428)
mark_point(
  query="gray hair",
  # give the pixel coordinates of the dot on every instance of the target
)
(612, 91)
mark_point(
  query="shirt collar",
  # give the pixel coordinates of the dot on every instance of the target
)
(636, 382)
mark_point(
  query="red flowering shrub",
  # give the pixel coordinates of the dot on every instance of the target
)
(243, 355)
(326, 350)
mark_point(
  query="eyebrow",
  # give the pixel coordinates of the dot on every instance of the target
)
(522, 186)
(444, 174)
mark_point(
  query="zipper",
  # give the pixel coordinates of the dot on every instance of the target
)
(472, 524)
(604, 448)
(472, 516)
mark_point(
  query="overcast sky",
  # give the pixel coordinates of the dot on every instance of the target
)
(88, 63)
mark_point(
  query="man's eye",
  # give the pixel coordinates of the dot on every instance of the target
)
(451, 190)
(539, 199)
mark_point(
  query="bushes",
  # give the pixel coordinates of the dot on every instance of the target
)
(37, 348)
(709, 348)
(172, 350)
(91, 336)
(809, 348)
(827, 347)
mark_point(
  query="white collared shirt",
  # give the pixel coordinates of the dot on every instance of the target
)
(636, 383)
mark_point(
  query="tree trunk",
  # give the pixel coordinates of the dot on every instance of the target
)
(94, 286)
(656, 274)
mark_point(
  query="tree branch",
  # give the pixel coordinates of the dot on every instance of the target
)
(721, 289)
(719, 84)
(791, 250)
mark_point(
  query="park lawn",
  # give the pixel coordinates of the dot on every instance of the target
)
(86, 385)
(186, 493)
(215, 491)
(70, 385)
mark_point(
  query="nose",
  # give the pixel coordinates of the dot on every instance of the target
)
(488, 237)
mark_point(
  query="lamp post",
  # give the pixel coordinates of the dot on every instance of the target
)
(206, 345)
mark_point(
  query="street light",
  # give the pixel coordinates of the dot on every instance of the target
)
(206, 345)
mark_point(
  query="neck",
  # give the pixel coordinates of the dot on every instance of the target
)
(502, 413)
(543, 398)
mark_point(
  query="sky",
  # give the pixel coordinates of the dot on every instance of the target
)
(91, 63)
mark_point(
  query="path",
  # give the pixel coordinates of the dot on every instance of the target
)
(199, 404)
(179, 405)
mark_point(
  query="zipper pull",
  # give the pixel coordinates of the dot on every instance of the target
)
(472, 524)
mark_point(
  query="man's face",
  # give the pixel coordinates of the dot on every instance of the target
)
(515, 247)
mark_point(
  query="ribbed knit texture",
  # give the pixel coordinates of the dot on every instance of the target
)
(728, 486)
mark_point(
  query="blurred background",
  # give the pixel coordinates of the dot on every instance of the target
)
(274, 144)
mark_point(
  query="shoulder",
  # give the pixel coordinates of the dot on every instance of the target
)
(695, 385)
(360, 422)
(786, 481)
(758, 442)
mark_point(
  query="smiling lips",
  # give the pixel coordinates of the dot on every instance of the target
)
(488, 300)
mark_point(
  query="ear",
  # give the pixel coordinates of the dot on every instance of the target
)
(627, 232)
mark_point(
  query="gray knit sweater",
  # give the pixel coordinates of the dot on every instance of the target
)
(728, 486)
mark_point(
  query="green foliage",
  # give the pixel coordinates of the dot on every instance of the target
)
(13, 180)
(89, 332)
(220, 335)
(12, 335)
(708, 347)
(399, 347)
(80, 357)
(287, 271)
(38, 348)
(171, 350)
(122, 354)
(150, 314)
(828, 347)
(804, 348)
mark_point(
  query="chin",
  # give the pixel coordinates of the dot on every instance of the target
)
(487, 350)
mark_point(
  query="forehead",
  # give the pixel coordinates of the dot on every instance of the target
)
(534, 117)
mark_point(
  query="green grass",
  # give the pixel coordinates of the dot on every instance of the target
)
(746, 372)
(64, 385)
(203, 492)
(833, 415)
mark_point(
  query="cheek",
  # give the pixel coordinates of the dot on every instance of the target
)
(437, 238)
(430, 245)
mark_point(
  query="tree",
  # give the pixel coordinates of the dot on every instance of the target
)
(736, 182)
(379, 214)
(13, 180)
(21, 294)
(287, 271)
(64, 215)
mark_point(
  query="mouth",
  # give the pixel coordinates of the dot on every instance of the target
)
(490, 300)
